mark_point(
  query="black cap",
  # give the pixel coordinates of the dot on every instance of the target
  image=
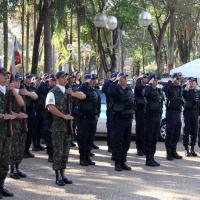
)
(28, 75)
(18, 77)
(191, 79)
(3, 71)
(61, 74)
(122, 74)
(52, 77)
(177, 75)
(88, 76)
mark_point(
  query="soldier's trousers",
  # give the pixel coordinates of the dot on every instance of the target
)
(151, 131)
(4, 156)
(173, 130)
(139, 118)
(17, 147)
(190, 129)
(120, 138)
(108, 125)
(86, 129)
(61, 145)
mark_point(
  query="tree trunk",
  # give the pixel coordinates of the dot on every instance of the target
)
(171, 41)
(78, 33)
(5, 33)
(38, 33)
(47, 43)
(27, 35)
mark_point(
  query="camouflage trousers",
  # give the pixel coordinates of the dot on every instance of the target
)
(61, 145)
(4, 156)
(17, 147)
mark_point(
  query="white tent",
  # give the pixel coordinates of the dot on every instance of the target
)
(191, 69)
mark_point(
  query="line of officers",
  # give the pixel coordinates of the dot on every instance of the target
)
(76, 107)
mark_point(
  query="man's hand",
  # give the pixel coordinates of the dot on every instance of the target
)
(68, 117)
(8, 117)
(22, 116)
(25, 92)
(69, 91)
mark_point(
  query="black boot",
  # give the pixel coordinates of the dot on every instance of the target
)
(20, 173)
(4, 191)
(169, 155)
(118, 166)
(59, 180)
(124, 166)
(83, 161)
(94, 146)
(192, 152)
(64, 178)
(150, 161)
(50, 158)
(1, 197)
(187, 152)
(13, 173)
(155, 162)
(89, 161)
(176, 156)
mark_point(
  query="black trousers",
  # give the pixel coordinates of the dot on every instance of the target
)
(190, 129)
(139, 118)
(120, 138)
(108, 125)
(31, 130)
(85, 134)
(173, 130)
(151, 132)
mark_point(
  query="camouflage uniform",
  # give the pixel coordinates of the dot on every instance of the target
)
(4, 141)
(61, 138)
(19, 137)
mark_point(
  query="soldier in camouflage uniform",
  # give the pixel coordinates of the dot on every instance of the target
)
(57, 104)
(4, 141)
(19, 134)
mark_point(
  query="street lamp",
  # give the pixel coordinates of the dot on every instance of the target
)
(101, 20)
(144, 21)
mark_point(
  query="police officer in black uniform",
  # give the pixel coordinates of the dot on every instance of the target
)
(173, 92)
(122, 116)
(30, 97)
(153, 110)
(191, 114)
(139, 113)
(87, 117)
(105, 88)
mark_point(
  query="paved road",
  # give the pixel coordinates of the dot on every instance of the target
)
(173, 180)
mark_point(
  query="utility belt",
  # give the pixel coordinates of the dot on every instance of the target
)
(174, 105)
(89, 116)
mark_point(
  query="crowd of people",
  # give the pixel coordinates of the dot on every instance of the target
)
(61, 108)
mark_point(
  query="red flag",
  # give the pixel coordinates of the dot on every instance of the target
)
(16, 58)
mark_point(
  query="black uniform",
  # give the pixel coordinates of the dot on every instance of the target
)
(87, 117)
(105, 89)
(31, 112)
(153, 110)
(191, 113)
(173, 118)
(139, 116)
(122, 116)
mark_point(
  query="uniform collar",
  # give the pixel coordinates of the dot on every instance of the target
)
(3, 89)
(62, 88)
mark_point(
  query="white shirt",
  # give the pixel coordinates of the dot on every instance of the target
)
(3, 89)
(50, 99)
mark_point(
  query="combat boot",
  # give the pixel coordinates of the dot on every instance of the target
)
(169, 155)
(150, 162)
(4, 191)
(124, 166)
(192, 152)
(59, 180)
(89, 161)
(1, 197)
(83, 161)
(155, 162)
(13, 173)
(118, 166)
(176, 156)
(187, 152)
(140, 153)
(19, 172)
(64, 178)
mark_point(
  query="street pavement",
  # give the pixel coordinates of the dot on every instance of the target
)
(177, 180)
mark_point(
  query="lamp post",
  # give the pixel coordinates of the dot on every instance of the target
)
(144, 21)
(101, 20)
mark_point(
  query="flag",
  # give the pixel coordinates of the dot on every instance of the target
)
(16, 58)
